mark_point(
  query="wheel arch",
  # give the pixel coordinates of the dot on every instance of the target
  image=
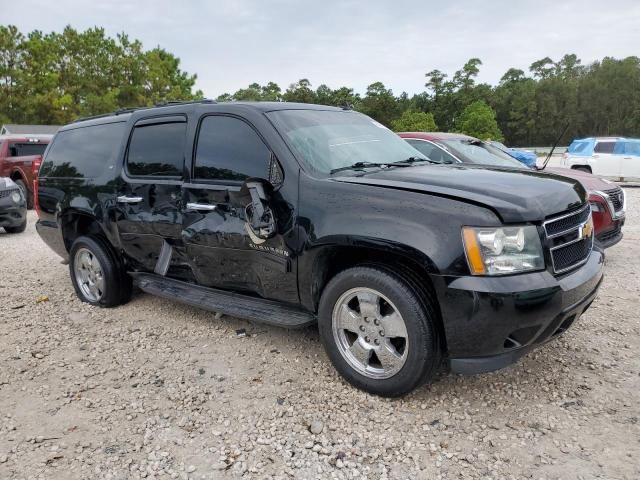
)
(76, 223)
(582, 167)
(413, 266)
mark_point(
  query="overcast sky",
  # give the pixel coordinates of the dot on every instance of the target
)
(232, 43)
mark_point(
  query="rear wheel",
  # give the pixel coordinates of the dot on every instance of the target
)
(97, 275)
(25, 192)
(582, 169)
(377, 332)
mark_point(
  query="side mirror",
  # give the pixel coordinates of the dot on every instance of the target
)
(259, 215)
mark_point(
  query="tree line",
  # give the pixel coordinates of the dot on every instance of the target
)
(56, 77)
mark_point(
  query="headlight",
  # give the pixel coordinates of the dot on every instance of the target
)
(16, 197)
(501, 251)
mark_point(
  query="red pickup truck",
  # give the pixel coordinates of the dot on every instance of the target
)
(20, 158)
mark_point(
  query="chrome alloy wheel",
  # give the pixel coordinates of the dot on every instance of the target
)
(370, 333)
(89, 275)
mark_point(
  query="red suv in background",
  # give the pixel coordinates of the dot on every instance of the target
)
(607, 199)
(20, 159)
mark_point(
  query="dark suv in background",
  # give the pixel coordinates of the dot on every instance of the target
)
(292, 214)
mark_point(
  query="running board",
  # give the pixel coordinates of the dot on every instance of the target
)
(227, 303)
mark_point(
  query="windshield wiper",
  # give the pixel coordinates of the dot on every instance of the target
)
(358, 165)
(411, 160)
(402, 163)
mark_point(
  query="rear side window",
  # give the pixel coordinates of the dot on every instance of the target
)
(229, 149)
(157, 150)
(604, 147)
(26, 149)
(86, 152)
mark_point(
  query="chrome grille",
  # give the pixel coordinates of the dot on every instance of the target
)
(567, 222)
(6, 193)
(571, 238)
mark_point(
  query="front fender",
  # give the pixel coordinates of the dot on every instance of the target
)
(422, 228)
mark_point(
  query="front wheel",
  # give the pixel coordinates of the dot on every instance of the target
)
(378, 331)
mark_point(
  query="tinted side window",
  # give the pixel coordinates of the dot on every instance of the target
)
(26, 149)
(157, 150)
(85, 152)
(604, 147)
(229, 149)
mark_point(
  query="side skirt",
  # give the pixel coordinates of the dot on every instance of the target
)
(228, 303)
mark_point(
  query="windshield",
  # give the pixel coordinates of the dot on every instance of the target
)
(470, 150)
(327, 140)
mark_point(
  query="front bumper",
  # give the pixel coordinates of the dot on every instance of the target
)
(12, 215)
(490, 322)
(610, 237)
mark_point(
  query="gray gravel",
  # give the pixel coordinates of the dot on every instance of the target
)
(155, 389)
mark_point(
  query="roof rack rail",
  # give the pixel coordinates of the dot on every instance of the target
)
(166, 103)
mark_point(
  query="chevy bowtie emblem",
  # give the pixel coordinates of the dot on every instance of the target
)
(587, 228)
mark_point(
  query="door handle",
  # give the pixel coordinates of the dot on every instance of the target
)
(125, 199)
(198, 207)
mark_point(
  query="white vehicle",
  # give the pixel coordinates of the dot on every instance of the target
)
(617, 158)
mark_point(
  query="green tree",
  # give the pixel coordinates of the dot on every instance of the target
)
(271, 92)
(300, 92)
(252, 93)
(414, 122)
(543, 68)
(11, 67)
(515, 105)
(465, 77)
(479, 120)
(380, 103)
(56, 77)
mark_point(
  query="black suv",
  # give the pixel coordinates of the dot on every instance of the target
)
(292, 214)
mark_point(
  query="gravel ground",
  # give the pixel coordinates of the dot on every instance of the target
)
(155, 389)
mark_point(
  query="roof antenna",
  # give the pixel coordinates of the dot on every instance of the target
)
(546, 160)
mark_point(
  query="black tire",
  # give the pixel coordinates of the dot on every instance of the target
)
(423, 357)
(582, 169)
(18, 229)
(117, 284)
(25, 192)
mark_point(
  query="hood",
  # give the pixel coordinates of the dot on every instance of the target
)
(589, 182)
(515, 195)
